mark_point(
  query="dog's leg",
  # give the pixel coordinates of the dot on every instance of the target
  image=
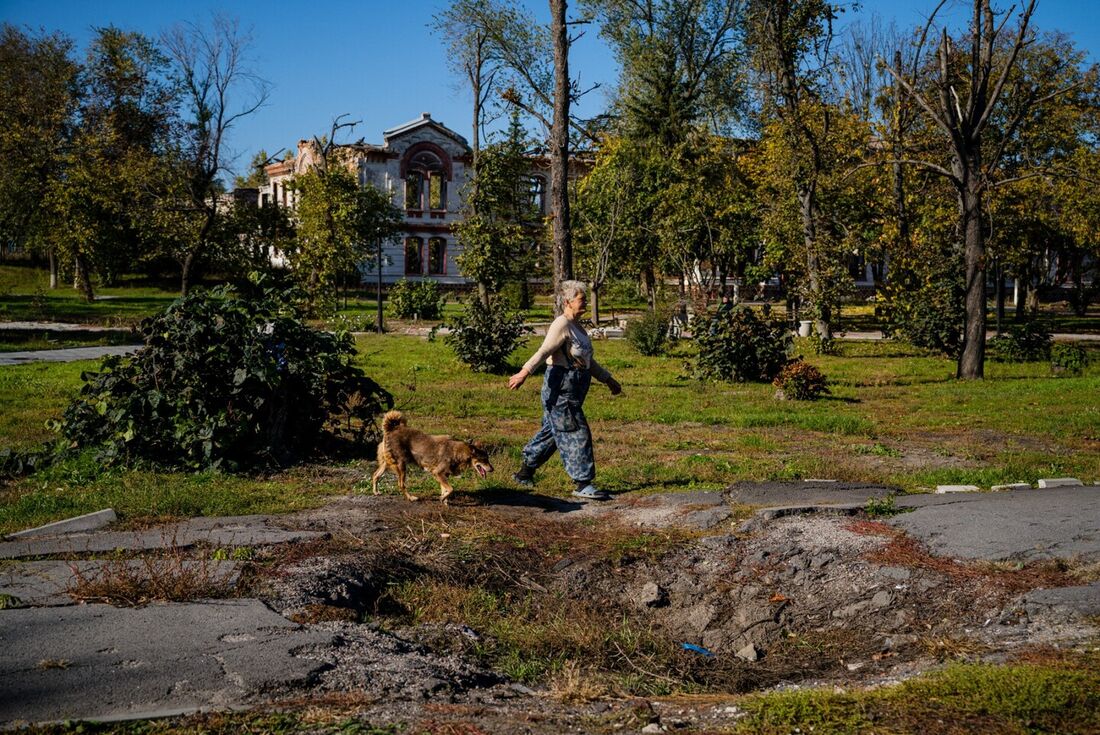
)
(400, 469)
(445, 488)
(378, 475)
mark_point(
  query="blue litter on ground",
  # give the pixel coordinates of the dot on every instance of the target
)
(696, 649)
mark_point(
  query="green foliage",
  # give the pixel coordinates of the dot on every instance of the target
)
(224, 382)
(883, 507)
(1068, 357)
(801, 381)
(649, 334)
(927, 310)
(483, 337)
(1026, 342)
(741, 347)
(416, 299)
(340, 224)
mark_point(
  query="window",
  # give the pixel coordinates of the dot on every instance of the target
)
(536, 194)
(414, 261)
(414, 182)
(425, 179)
(437, 256)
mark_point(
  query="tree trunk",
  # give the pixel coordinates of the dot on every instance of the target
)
(185, 274)
(1000, 274)
(807, 200)
(82, 277)
(483, 293)
(972, 359)
(52, 255)
(559, 152)
(649, 284)
(595, 304)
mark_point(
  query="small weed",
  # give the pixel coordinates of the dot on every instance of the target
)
(9, 601)
(54, 663)
(877, 449)
(171, 576)
(883, 507)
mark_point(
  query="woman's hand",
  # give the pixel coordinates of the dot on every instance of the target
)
(517, 380)
(613, 384)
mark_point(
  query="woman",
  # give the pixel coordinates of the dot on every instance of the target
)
(567, 351)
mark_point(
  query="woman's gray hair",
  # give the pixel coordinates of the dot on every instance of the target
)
(569, 290)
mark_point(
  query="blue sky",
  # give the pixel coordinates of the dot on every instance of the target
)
(379, 62)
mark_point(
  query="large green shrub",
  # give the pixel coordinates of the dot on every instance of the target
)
(740, 346)
(483, 337)
(225, 382)
(648, 334)
(927, 309)
(1026, 342)
(416, 299)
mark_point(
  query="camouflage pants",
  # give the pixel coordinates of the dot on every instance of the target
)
(564, 427)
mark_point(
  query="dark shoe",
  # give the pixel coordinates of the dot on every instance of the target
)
(524, 480)
(589, 492)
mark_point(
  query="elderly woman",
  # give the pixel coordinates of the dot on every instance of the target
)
(567, 352)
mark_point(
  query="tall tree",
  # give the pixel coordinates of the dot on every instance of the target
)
(39, 94)
(500, 219)
(791, 41)
(121, 142)
(212, 65)
(681, 63)
(961, 95)
(340, 223)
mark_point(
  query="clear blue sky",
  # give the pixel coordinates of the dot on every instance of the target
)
(378, 61)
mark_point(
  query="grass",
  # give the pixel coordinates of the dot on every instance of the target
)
(961, 698)
(896, 416)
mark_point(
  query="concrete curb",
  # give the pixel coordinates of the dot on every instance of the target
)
(86, 522)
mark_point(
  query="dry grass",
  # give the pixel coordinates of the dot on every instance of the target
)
(170, 576)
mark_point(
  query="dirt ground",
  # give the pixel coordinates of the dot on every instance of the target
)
(651, 613)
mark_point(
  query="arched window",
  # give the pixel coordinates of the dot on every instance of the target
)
(437, 256)
(425, 182)
(414, 256)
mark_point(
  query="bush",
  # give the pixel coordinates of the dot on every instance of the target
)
(227, 383)
(1068, 357)
(929, 314)
(484, 337)
(649, 334)
(1026, 342)
(800, 381)
(416, 299)
(741, 346)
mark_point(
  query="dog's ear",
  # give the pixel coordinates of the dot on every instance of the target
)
(478, 444)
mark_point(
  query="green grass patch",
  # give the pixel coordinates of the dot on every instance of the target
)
(973, 698)
(898, 419)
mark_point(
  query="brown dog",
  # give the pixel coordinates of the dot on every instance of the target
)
(441, 456)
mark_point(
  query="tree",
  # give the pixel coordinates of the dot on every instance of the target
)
(212, 66)
(792, 40)
(256, 176)
(340, 224)
(500, 218)
(112, 170)
(468, 27)
(39, 94)
(681, 64)
(961, 95)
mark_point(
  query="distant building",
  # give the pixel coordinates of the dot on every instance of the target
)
(425, 167)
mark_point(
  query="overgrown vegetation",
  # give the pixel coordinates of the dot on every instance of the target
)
(227, 382)
(740, 347)
(484, 337)
(416, 299)
(1029, 341)
(649, 333)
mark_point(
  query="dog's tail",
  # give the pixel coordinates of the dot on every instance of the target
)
(391, 421)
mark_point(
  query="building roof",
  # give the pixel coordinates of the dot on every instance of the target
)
(425, 119)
